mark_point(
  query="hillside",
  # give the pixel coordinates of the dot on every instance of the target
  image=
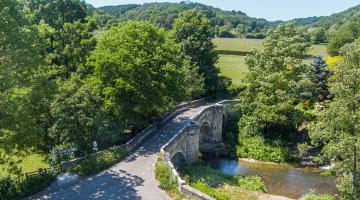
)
(226, 23)
(332, 21)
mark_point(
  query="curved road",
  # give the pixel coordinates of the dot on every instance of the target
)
(132, 178)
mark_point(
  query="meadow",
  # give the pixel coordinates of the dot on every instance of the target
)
(234, 66)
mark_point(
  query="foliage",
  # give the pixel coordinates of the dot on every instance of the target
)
(19, 60)
(318, 36)
(347, 34)
(331, 61)
(80, 118)
(200, 173)
(193, 32)
(277, 80)
(16, 189)
(258, 148)
(165, 177)
(164, 15)
(99, 161)
(320, 75)
(336, 129)
(141, 72)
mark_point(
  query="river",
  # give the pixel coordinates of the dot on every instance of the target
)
(279, 179)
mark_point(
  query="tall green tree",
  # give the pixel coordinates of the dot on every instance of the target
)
(276, 79)
(337, 127)
(193, 31)
(20, 59)
(141, 72)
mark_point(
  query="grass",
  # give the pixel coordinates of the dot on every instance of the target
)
(29, 163)
(245, 45)
(222, 186)
(318, 197)
(319, 49)
(237, 44)
(166, 180)
(233, 67)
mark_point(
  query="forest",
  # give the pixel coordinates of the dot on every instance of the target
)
(71, 74)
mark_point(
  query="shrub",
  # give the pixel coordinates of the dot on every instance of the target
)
(98, 162)
(34, 184)
(256, 147)
(7, 188)
(165, 177)
(251, 183)
(16, 189)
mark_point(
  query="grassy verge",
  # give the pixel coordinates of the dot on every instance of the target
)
(98, 162)
(166, 180)
(260, 149)
(318, 197)
(222, 186)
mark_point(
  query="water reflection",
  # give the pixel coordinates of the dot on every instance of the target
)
(279, 179)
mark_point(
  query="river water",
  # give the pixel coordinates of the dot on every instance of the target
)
(279, 179)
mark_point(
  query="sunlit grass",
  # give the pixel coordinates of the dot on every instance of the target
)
(29, 163)
(244, 44)
(233, 67)
(237, 44)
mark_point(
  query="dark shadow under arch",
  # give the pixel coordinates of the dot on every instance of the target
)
(178, 160)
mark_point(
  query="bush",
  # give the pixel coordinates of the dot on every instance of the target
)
(7, 189)
(251, 183)
(35, 184)
(16, 189)
(98, 162)
(165, 177)
(256, 147)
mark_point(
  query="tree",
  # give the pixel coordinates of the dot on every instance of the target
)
(347, 34)
(19, 61)
(320, 75)
(141, 72)
(66, 33)
(192, 30)
(80, 118)
(276, 80)
(318, 36)
(337, 128)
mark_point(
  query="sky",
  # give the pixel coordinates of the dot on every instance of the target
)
(268, 9)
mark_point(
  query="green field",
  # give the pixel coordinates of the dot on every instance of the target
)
(237, 44)
(233, 67)
(243, 44)
(29, 163)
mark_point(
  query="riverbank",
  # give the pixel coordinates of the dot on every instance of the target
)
(279, 179)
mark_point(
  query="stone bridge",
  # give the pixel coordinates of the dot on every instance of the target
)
(202, 133)
(193, 127)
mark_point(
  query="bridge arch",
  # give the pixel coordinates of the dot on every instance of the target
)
(178, 160)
